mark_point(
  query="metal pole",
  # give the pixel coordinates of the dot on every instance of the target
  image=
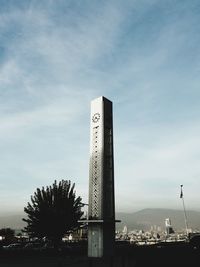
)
(184, 210)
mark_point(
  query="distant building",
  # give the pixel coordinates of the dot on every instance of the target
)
(168, 226)
(125, 230)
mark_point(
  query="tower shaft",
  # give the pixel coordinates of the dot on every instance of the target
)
(101, 227)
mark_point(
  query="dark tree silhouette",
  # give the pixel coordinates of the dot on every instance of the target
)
(53, 211)
(8, 234)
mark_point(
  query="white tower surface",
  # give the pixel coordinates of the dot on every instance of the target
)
(101, 211)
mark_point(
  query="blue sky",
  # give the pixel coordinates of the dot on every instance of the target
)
(56, 56)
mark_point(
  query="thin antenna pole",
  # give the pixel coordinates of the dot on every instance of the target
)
(184, 210)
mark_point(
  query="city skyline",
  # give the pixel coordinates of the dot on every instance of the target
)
(57, 56)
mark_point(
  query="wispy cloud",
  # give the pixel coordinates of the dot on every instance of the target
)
(159, 160)
(55, 56)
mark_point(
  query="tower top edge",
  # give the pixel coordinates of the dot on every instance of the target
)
(101, 98)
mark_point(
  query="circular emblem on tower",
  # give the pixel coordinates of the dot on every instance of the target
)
(96, 117)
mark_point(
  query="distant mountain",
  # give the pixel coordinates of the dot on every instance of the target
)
(146, 218)
(142, 219)
(12, 221)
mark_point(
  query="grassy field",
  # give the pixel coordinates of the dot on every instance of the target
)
(125, 256)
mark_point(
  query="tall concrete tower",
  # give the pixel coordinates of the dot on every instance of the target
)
(101, 223)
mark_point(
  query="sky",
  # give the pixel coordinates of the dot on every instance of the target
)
(57, 56)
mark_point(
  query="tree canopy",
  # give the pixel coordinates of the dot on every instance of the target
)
(53, 211)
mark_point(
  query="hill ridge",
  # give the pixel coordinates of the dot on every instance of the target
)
(141, 219)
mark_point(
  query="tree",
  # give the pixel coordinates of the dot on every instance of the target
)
(8, 234)
(53, 211)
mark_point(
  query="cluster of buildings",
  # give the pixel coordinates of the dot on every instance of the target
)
(154, 235)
